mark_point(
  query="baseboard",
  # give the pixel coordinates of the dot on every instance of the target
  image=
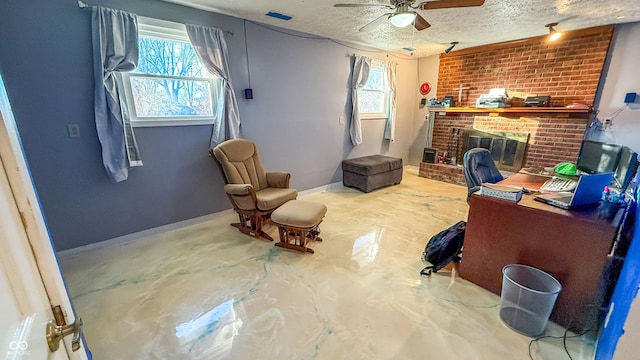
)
(320, 189)
(125, 239)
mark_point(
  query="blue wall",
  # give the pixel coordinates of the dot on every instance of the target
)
(300, 87)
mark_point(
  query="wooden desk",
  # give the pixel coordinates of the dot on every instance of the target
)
(572, 246)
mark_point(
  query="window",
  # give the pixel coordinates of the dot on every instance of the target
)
(373, 99)
(170, 86)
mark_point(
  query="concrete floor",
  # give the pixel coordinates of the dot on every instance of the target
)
(209, 292)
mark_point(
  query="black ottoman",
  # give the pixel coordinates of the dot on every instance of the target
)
(371, 172)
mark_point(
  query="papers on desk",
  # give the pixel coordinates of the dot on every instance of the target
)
(502, 192)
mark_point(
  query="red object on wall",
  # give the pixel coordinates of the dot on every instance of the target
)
(425, 88)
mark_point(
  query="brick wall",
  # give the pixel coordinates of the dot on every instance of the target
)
(448, 173)
(552, 139)
(568, 70)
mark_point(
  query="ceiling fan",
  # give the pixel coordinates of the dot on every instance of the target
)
(404, 15)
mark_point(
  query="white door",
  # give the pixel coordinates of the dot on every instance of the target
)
(30, 278)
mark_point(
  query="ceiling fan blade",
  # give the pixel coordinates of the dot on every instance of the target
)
(363, 5)
(420, 23)
(446, 4)
(375, 23)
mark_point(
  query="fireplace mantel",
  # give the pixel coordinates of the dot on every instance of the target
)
(511, 110)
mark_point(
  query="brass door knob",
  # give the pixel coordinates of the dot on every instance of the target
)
(55, 333)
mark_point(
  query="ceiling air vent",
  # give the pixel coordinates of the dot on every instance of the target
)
(277, 15)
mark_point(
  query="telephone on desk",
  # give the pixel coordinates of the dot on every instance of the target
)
(559, 184)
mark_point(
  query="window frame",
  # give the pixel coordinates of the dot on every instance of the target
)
(377, 65)
(171, 31)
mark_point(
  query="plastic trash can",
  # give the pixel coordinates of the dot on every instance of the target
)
(527, 298)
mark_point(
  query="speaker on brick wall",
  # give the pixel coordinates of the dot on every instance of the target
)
(429, 155)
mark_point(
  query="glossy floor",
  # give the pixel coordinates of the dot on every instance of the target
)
(209, 292)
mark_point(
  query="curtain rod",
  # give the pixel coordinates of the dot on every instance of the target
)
(83, 5)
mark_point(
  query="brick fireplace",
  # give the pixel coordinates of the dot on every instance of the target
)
(507, 147)
(568, 70)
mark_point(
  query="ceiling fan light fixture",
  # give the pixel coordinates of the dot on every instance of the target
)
(402, 19)
(553, 33)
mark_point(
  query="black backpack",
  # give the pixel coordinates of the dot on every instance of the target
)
(443, 248)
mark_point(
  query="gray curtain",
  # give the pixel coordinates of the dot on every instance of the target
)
(390, 126)
(212, 51)
(115, 49)
(359, 78)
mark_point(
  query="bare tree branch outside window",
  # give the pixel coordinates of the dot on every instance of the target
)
(170, 81)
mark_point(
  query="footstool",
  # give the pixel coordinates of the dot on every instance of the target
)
(369, 173)
(298, 222)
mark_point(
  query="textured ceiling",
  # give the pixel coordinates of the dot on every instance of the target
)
(495, 21)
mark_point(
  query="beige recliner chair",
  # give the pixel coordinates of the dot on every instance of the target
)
(254, 193)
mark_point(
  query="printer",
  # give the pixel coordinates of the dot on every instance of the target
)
(537, 101)
(496, 98)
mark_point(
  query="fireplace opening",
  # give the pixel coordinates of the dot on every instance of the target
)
(507, 148)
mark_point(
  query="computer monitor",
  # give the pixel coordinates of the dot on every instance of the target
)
(626, 168)
(598, 157)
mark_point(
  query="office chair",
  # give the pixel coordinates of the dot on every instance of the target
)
(479, 168)
(254, 193)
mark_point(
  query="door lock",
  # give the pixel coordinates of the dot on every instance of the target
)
(55, 333)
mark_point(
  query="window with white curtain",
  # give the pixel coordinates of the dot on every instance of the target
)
(373, 99)
(170, 86)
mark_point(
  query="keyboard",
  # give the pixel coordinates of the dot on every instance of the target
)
(559, 184)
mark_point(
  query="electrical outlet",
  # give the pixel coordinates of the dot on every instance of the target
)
(73, 130)
(341, 120)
